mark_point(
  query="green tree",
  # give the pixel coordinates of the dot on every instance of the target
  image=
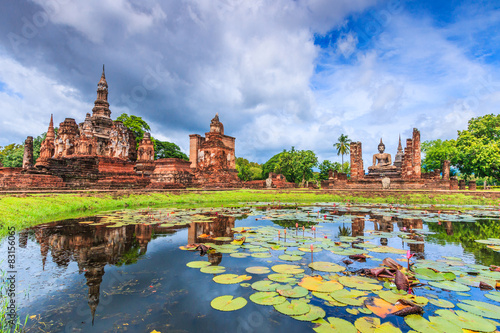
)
(478, 147)
(136, 124)
(436, 152)
(165, 149)
(248, 170)
(296, 165)
(11, 156)
(270, 165)
(325, 166)
(342, 146)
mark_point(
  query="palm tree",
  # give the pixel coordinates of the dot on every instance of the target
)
(342, 146)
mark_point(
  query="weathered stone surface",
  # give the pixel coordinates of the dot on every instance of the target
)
(446, 170)
(357, 171)
(461, 184)
(386, 183)
(472, 185)
(28, 153)
(47, 149)
(146, 150)
(171, 173)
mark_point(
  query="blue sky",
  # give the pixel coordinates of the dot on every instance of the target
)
(280, 73)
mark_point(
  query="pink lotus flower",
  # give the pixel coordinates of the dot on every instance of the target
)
(409, 255)
(296, 225)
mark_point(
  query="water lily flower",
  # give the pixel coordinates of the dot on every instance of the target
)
(409, 255)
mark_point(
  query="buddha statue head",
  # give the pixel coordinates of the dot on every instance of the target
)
(381, 146)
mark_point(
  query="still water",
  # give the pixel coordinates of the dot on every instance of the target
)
(126, 271)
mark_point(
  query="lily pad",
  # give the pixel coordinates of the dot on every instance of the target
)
(239, 255)
(367, 324)
(283, 278)
(295, 292)
(316, 283)
(360, 282)
(293, 308)
(349, 297)
(493, 295)
(314, 313)
(267, 298)
(467, 320)
(265, 285)
(324, 266)
(228, 303)
(335, 325)
(442, 303)
(198, 264)
(231, 278)
(483, 309)
(257, 270)
(261, 255)
(450, 285)
(288, 257)
(287, 269)
(213, 269)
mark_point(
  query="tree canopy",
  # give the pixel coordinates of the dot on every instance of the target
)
(436, 152)
(326, 166)
(165, 149)
(248, 170)
(478, 147)
(296, 165)
(136, 124)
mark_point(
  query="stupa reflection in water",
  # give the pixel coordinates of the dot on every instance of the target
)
(94, 247)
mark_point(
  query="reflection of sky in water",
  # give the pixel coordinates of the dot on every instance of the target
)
(158, 291)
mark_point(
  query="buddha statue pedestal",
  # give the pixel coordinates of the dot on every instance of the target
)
(382, 165)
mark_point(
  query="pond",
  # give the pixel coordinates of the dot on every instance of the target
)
(320, 267)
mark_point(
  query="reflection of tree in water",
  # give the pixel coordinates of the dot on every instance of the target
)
(465, 233)
(290, 224)
(220, 227)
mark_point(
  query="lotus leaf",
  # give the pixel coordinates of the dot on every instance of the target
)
(314, 313)
(284, 278)
(213, 269)
(267, 298)
(392, 297)
(493, 295)
(287, 269)
(467, 320)
(230, 278)
(483, 309)
(335, 325)
(198, 264)
(442, 303)
(324, 266)
(228, 303)
(308, 249)
(316, 283)
(348, 297)
(450, 285)
(360, 282)
(288, 257)
(239, 255)
(293, 308)
(265, 285)
(258, 270)
(261, 255)
(367, 324)
(387, 328)
(295, 292)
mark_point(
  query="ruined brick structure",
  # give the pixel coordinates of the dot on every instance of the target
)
(212, 157)
(405, 173)
(28, 153)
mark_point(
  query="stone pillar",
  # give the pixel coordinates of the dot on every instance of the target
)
(446, 170)
(28, 153)
(357, 171)
(417, 155)
(472, 185)
(461, 184)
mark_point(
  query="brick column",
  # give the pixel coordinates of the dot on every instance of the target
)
(417, 155)
(194, 140)
(407, 167)
(357, 171)
(28, 153)
(446, 170)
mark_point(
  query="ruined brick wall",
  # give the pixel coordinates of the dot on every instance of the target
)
(28, 153)
(357, 171)
(171, 173)
(146, 150)
(229, 142)
(30, 181)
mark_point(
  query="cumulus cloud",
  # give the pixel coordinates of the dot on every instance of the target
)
(257, 63)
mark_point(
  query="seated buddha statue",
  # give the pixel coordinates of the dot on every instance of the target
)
(381, 161)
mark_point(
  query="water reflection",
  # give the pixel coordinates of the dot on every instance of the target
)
(93, 247)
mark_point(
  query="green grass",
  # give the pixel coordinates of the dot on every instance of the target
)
(23, 211)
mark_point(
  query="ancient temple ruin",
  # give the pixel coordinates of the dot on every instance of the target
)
(384, 173)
